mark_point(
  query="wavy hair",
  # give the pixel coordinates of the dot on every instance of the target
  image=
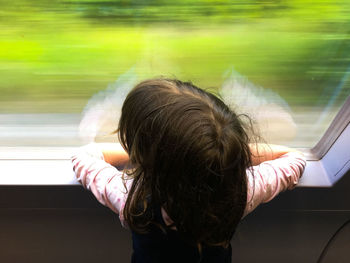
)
(189, 154)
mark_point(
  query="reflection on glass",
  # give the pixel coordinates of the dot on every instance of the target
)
(55, 55)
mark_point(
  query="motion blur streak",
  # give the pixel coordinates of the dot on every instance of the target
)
(55, 55)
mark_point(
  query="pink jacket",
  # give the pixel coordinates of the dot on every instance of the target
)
(106, 183)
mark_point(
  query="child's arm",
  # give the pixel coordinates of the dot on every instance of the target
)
(279, 169)
(100, 177)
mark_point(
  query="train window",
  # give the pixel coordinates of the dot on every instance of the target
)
(65, 67)
(285, 63)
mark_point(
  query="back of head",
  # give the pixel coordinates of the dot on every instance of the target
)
(190, 153)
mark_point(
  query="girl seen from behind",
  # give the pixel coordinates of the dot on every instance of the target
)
(190, 173)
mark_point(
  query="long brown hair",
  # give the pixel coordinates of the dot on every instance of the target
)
(189, 154)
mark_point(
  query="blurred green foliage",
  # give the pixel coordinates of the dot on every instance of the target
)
(55, 54)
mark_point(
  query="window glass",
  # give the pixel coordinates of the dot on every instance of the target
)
(286, 63)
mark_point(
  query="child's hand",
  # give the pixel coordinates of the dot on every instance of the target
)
(113, 153)
(264, 152)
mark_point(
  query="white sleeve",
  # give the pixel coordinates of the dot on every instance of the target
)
(101, 178)
(267, 180)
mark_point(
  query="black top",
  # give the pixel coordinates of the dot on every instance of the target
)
(157, 246)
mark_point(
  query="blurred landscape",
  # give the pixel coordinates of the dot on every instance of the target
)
(55, 55)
